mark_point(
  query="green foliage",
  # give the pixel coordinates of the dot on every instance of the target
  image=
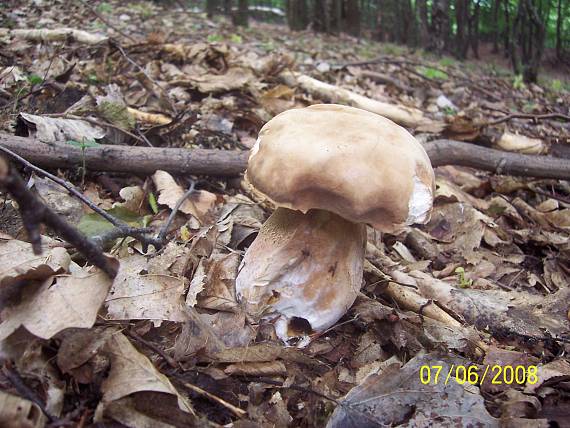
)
(392, 49)
(518, 82)
(152, 202)
(447, 61)
(84, 144)
(104, 8)
(212, 38)
(93, 224)
(462, 281)
(236, 38)
(433, 73)
(144, 9)
(449, 111)
(92, 79)
(34, 79)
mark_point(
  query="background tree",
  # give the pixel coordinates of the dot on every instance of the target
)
(297, 14)
(240, 17)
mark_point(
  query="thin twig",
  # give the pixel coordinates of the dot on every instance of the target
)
(164, 229)
(534, 117)
(169, 360)
(105, 21)
(234, 409)
(16, 380)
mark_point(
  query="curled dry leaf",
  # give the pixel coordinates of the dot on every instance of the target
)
(132, 372)
(53, 129)
(60, 302)
(234, 78)
(197, 204)
(19, 263)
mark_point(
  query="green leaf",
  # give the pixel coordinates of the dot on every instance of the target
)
(34, 79)
(432, 73)
(152, 202)
(93, 224)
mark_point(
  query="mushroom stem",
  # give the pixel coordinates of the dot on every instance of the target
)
(302, 272)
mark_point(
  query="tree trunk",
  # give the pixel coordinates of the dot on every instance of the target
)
(474, 29)
(423, 24)
(462, 19)
(559, 20)
(320, 20)
(351, 15)
(211, 6)
(507, 30)
(440, 25)
(529, 33)
(495, 24)
(335, 16)
(240, 17)
(297, 14)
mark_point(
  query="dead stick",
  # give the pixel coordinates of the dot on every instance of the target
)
(231, 163)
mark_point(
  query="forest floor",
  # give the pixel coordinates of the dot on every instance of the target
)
(464, 321)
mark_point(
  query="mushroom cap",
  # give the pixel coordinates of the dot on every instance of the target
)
(349, 161)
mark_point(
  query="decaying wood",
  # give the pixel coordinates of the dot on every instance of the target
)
(53, 35)
(136, 160)
(231, 163)
(406, 116)
(449, 152)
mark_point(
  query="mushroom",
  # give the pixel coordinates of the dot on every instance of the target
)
(330, 170)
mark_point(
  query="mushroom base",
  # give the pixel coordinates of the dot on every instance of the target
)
(302, 272)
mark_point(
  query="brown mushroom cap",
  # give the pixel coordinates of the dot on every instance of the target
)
(354, 163)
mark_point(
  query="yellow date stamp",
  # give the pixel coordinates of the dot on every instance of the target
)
(475, 375)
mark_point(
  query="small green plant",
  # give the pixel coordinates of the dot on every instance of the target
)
(236, 38)
(34, 79)
(461, 279)
(92, 79)
(268, 46)
(449, 111)
(104, 8)
(446, 61)
(212, 38)
(518, 82)
(84, 144)
(152, 202)
(432, 73)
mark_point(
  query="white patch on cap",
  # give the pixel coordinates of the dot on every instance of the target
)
(420, 203)
(255, 148)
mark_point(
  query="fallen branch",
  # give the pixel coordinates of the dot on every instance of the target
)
(406, 116)
(53, 35)
(449, 152)
(231, 163)
(34, 213)
(534, 117)
(135, 160)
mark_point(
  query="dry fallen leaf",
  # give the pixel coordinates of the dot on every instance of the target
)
(18, 412)
(60, 302)
(132, 372)
(197, 204)
(140, 291)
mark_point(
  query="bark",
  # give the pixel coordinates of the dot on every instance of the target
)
(423, 24)
(351, 15)
(146, 160)
(406, 116)
(297, 13)
(529, 33)
(211, 6)
(320, 16)
(440, 27)
(462, 18)
(495, 24)
(240, 17)
(559, 20)
(474, 29)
